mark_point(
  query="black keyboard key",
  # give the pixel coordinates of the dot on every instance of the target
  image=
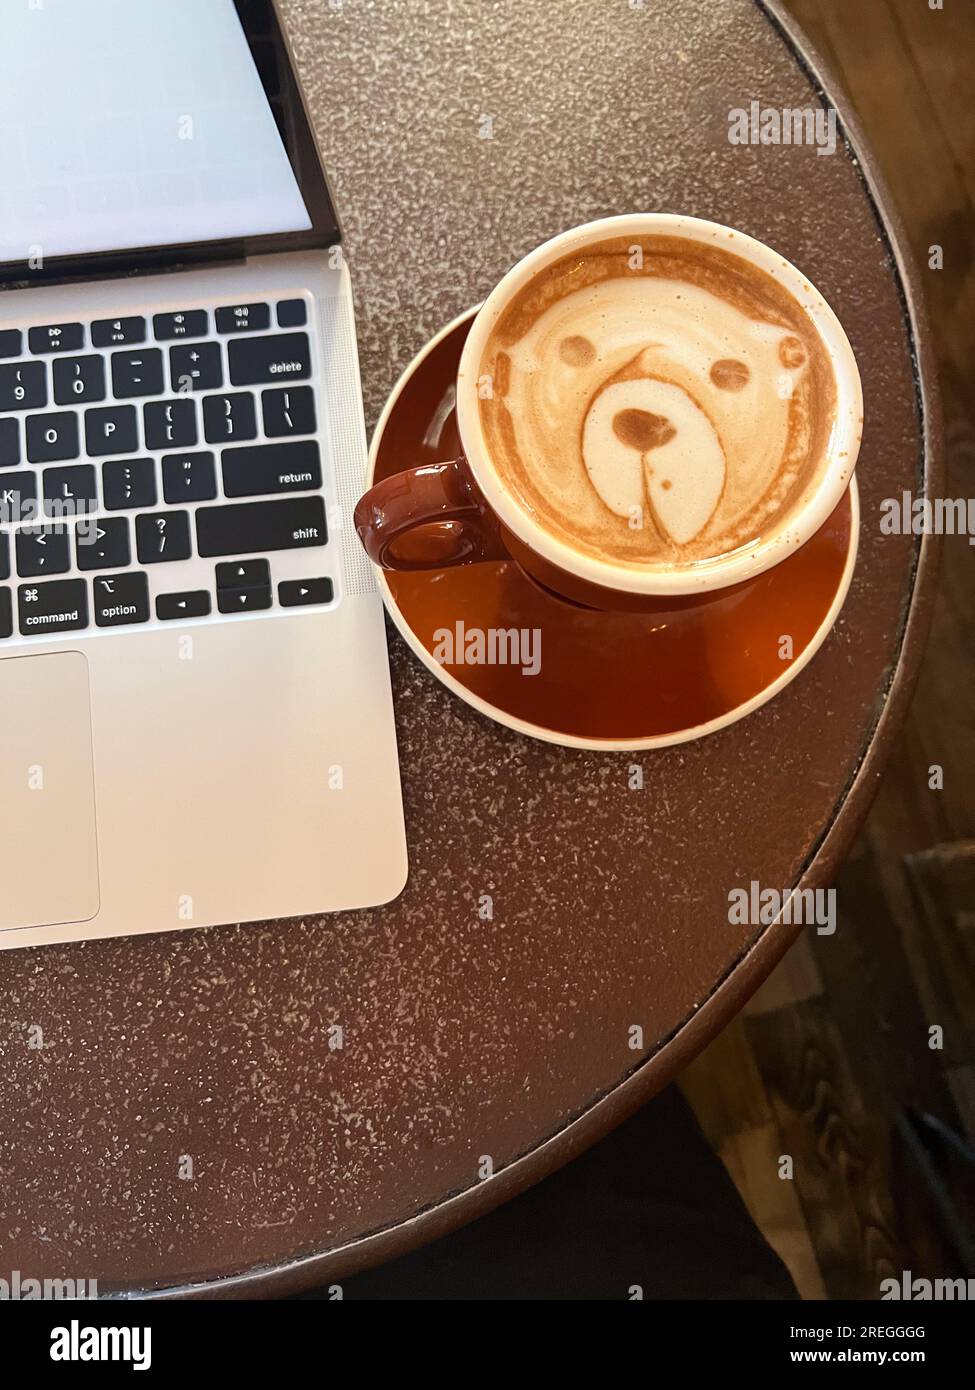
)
(244, 574)
(269, 468)
(6, 614)
(103, 544)
(229, 418)
(162, 536)
(289, 411)
(11, 342)
(111, 429)
(170, 608)
(52, 437)
(4, 557)
(170, 424)
(299, 593)
(243, 600)
(196, 367)
(23, 386)
(187, 323)
(43, 550)
(128, 483)
(243, 528)
(121, 599)
(9, 443)
(137, 373)
(70, 491)
(189, 477)
(292, 313)
(58, 607)
(57, 337)
(276, 357)
(117, 332)
(79, 380)
(243, 318)
(18, 497)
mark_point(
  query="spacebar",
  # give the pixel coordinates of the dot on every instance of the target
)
(245, 527)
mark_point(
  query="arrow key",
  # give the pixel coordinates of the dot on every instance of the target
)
(243, 600)
(299, 593)
(244, 574)
(171, 608)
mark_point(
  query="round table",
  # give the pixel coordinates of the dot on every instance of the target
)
(457, 138)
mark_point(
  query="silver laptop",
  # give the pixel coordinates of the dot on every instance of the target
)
(195, 715)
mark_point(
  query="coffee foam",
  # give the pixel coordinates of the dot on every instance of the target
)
(660, 415)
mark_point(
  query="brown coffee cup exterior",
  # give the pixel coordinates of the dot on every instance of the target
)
(435, 517)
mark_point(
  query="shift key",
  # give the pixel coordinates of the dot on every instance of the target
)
(248, 528)
(269, 357)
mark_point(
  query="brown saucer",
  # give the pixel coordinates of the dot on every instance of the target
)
(605, 680)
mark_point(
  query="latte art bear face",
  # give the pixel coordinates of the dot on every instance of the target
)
(658, 416)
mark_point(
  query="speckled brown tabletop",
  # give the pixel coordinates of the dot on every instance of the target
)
(465, 1038)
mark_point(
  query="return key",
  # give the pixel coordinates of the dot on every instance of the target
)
(262, 469)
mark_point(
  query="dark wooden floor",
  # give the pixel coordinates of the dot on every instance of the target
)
(836, 1046)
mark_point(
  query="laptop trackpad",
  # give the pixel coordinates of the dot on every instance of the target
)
(48, 848)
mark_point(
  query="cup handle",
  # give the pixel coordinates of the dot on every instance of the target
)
(431, 517)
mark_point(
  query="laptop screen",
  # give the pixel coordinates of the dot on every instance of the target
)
(146, 123)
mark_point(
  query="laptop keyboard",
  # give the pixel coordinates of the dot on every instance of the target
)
(160, 468)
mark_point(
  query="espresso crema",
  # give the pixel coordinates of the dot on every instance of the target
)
(656, 401)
